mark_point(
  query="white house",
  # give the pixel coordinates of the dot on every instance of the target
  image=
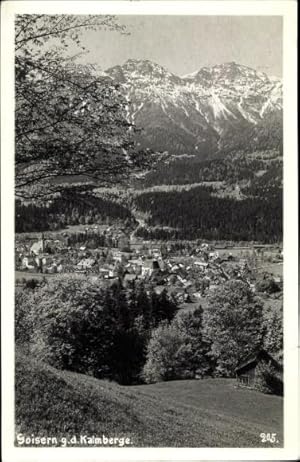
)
(28, 262)
(149, 266)
(86, 263)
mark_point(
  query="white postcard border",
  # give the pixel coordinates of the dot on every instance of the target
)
(287, 9)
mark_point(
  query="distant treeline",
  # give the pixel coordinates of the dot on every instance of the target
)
(231, 169)
(197, 214)
(64, 211)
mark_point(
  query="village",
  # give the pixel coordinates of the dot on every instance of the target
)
(187, 271)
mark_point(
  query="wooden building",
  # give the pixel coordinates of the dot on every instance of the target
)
(246, 371)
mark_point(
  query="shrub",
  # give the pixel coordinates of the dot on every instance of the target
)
(267, 379)
(267, 284)
(177, 350)
(161, 363)
(31, 283)
(273, 330)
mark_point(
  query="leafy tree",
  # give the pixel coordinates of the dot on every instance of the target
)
(234, 325)
(73, 327)
(177, 350)
(267, 284)
(162, 349)
(70, 122)
(273, 331)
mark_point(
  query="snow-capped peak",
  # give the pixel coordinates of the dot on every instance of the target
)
(199, 108)
(143, 69)
(190, 76)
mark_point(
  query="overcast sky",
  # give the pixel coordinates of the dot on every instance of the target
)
(184, 44)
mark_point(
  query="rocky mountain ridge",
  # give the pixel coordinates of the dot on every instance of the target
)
(211, 110)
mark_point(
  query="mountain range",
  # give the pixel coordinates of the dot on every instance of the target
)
(214, 110)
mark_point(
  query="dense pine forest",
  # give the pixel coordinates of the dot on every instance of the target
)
(197, 213)
(190, 214)
(68, 210)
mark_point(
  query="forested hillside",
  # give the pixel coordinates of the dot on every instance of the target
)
(68, 210)
(231, 168)
(196, 213)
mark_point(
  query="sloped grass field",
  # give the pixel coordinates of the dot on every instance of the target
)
(207, 413)
(224, 399)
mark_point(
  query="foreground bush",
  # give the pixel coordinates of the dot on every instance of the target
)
(177, 350)
(162, 360)
(267, 379)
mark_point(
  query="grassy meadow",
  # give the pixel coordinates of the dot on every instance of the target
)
(187, 413)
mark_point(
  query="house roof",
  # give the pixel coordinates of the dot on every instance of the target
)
(37, 246)
(254, 357)
(135, 262)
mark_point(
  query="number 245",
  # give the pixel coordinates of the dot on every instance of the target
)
(268, 437)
